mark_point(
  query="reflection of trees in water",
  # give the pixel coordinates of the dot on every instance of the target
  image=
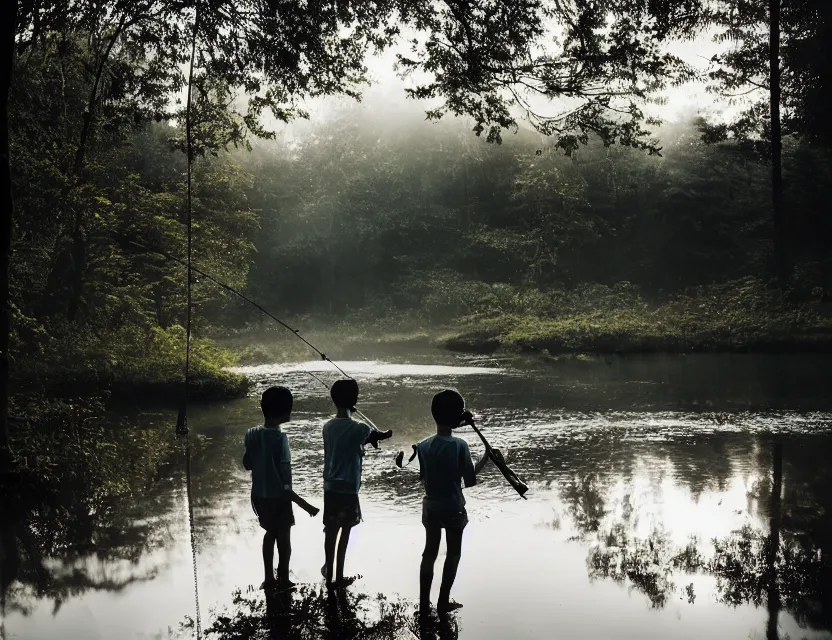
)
(647, 564)
(65, 566)
(699, 466)
(310, 613)
(63, 583)
(740, 563)
(585, 502)
(700, 463)
(784, 565)
(742, 568)
(71, 521)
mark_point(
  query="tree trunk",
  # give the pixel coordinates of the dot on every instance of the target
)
(780, 231)
(79, 242)
(773, 595)
(9, 20)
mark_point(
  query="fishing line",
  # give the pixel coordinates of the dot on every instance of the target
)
(259, 307)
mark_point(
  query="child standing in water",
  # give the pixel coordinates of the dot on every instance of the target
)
(268, 458)
(444, 464)
(344, 440)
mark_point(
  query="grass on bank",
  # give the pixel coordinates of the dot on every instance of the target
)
(737, 316)
(268, 342)
(742, 315)
(131, 364)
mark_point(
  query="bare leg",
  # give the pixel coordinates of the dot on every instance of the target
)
(268, 556)
(433, 536)
(330, 538)
(284, 551)
(453, 538)
(343, 541)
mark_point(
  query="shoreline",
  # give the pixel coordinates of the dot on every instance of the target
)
(606, 335)
(476, 341)
(498, 338)
(493, 345)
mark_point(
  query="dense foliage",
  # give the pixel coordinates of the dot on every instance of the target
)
(390, 215)
(95, 121)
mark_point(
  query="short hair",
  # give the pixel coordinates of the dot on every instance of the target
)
(276, 402)
(344, 393)
(447, 407)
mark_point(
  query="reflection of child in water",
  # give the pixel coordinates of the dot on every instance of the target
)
(444, 464)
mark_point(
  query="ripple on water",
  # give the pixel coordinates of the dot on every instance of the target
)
(309, 378)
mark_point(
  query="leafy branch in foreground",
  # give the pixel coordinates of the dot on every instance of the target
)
(603, 61)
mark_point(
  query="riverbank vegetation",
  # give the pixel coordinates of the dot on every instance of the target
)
(739, 316)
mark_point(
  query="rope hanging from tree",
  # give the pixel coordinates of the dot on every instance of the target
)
(182, 418)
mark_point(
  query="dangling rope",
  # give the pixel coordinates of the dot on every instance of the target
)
(192, 531)
(182, 418)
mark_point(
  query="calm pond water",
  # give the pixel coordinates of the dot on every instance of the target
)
(647, 517)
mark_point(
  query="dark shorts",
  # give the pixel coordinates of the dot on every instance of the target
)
(273, 513)
(341, 509)
(443, 517)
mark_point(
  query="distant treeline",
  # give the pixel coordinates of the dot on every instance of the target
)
(380, 213)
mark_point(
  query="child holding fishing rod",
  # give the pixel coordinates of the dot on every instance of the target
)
(445, 464)
(344, 440)
(268, 458)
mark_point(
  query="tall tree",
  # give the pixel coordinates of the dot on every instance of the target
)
(774, 67)
(781, 241)
(9, 19)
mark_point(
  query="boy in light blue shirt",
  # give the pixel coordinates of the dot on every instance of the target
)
(444, 466)
(269, 459)
(344, 440)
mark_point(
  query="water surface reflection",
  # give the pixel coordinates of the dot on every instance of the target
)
(646, 518)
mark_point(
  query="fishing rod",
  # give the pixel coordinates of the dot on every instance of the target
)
(259, 307)
(497, 458)
(494, 454)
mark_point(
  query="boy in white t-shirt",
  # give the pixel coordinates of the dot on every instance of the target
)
(344, 440)
(444, 465)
